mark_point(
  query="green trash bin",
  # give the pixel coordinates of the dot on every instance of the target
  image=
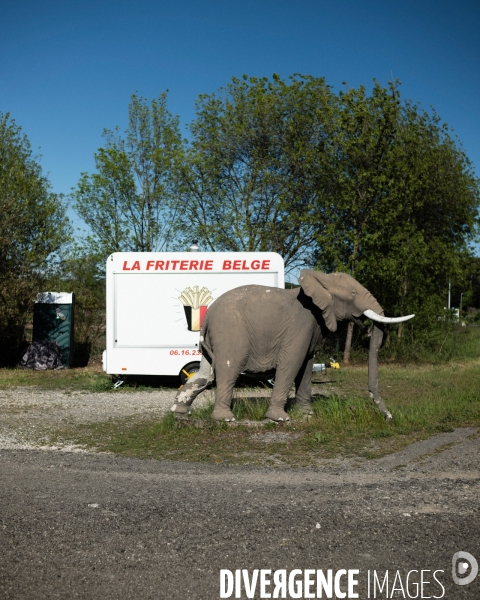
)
(53, 316)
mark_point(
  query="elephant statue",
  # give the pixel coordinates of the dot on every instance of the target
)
(254, 329)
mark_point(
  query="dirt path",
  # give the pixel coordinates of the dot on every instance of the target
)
(84, 525)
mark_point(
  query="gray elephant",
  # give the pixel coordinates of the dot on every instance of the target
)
(254, 329)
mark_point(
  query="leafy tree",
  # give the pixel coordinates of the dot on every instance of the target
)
(406, 202)
(360, 149)
(250, 166)
(33, 228)
(131, 203)
(84, 274)
(437, 197)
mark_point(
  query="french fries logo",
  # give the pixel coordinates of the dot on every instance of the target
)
(195, 304)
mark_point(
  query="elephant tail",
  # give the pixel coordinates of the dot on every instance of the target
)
(205, 345)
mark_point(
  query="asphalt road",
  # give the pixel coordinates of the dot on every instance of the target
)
(78, 525)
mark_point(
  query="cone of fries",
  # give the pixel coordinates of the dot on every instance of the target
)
(195, 304)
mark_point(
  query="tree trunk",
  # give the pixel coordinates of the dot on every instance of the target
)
(348, 345)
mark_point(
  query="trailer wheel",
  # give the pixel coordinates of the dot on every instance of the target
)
(188, 371)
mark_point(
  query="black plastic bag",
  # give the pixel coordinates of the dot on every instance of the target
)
(42, 355)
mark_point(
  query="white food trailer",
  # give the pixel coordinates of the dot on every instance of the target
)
(156, 302)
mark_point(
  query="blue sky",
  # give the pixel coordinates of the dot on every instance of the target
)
(68, 69)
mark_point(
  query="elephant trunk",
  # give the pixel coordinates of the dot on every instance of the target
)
(373, 388)
(375, 314)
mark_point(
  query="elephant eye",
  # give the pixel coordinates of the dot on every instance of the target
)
(354, 293)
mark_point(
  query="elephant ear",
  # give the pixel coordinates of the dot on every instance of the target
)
(314, 284)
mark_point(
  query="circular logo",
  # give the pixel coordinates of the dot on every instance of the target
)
(464, 563)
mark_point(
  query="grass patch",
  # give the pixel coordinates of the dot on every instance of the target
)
(440, 343)
(423, 400)
(78, 379)
(250, 409)
(64, 379)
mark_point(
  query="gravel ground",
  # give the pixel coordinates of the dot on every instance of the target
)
(92, 526)
(84, 406)
(26, 413)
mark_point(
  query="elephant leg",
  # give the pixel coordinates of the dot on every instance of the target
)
(290, 368)
(303, 387)
(226, 376)
(373, 388)
(281, 387)
(194, 386)
(231, 358)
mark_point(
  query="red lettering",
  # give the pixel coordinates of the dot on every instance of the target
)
(195, 265)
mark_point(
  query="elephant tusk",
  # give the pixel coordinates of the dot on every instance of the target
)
(371, 314)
